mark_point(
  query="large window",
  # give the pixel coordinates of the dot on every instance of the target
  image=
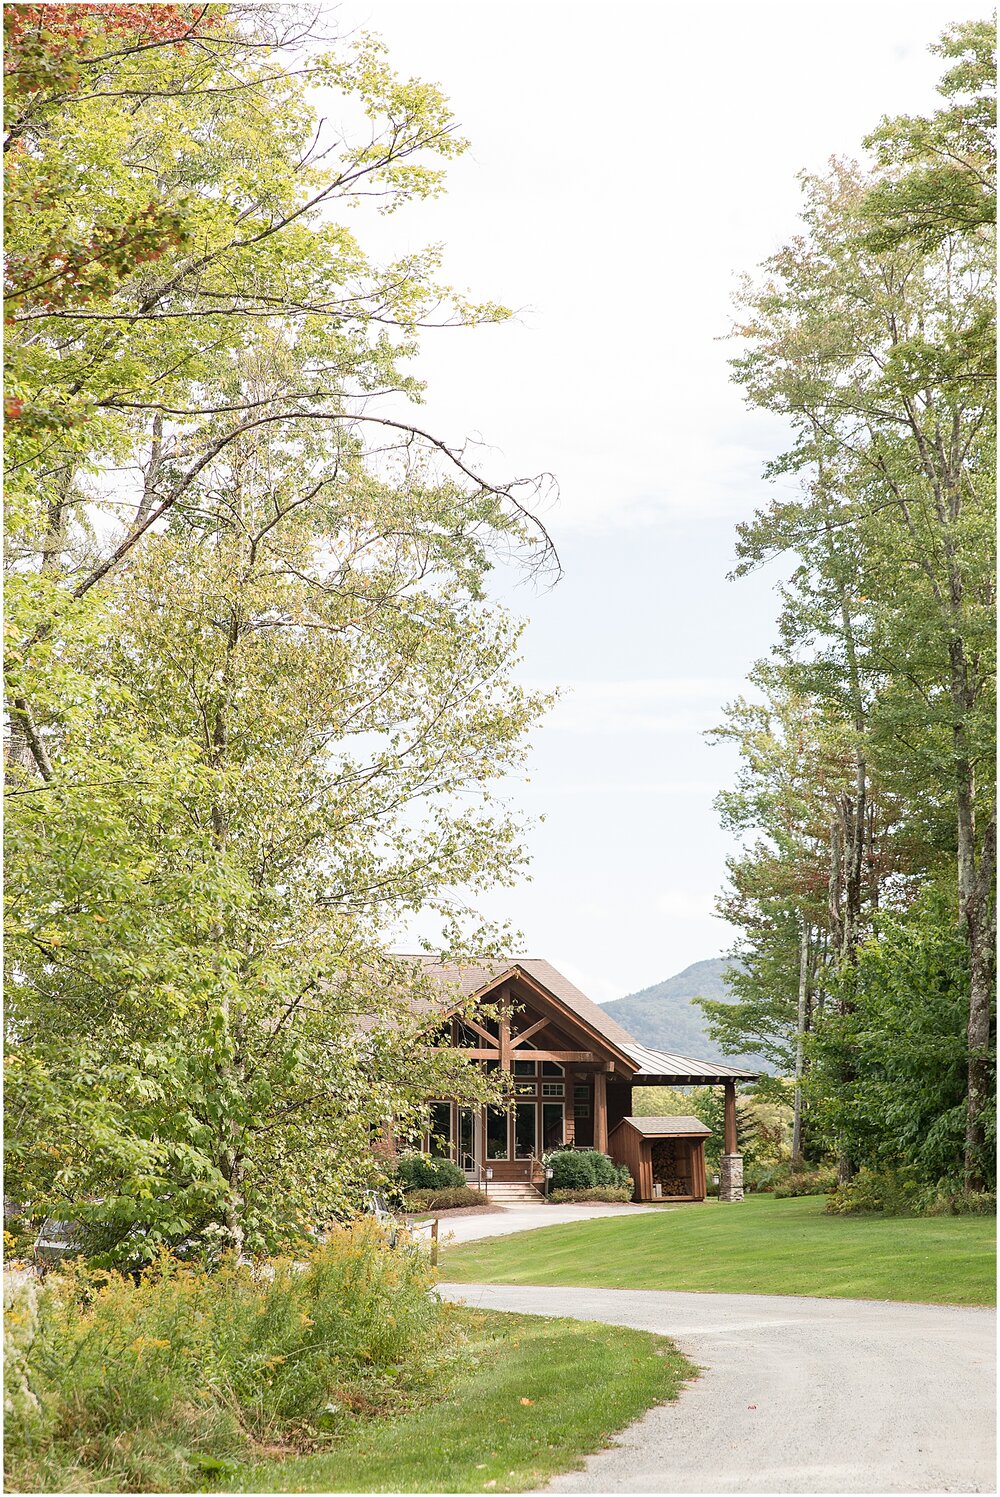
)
(496, 1133)
(524, 1130)
(553, 1130)
(440, 1139)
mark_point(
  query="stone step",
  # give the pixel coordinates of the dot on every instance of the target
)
(507, 1191)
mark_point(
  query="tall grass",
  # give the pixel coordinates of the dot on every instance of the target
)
(161, 1382)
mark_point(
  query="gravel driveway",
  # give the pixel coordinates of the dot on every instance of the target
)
(797, 1395)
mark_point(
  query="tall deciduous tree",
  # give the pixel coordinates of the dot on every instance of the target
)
(873, 334)
(260, 700)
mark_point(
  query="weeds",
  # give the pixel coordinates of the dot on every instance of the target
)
(157, 1382)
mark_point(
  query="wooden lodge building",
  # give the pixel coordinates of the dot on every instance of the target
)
(572, 1069)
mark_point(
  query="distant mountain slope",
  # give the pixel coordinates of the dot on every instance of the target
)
(664, 1017)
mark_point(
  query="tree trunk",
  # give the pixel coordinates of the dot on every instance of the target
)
(800, 1035)
(978, 912)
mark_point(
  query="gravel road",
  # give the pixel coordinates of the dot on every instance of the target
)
(797, 1395)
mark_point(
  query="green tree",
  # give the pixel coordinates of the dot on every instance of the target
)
(260, 701)
(872, 334)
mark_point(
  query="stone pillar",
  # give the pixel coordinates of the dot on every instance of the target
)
(731, 1177)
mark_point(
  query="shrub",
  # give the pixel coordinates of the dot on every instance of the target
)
(946, 1202)
(442, 1200)
(423, 1172)
(815, 1182)
(592, 1193)
(892, 1192)
(576, 1169)
(760, 1178)
(152, 1383)
(900, 1193)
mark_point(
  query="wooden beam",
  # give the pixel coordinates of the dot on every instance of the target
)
(732, 1144)
(600, 1112)
(525, 1034)
(565, 1056)
(505, 1036)
(471, 1023)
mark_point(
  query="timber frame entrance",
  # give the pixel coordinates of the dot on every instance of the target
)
(562, 1075)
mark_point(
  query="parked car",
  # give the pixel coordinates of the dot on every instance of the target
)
(56, 1241)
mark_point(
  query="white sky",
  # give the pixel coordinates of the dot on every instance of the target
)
(628, 162)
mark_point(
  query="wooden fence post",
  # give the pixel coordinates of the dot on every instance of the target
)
(434, 1242)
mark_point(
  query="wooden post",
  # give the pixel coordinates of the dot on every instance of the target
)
(600, 1112)
(732, 1146)
(434, 1242)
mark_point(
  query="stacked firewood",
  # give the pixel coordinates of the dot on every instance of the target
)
(675, 1186)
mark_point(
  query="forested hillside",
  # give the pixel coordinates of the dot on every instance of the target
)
(666, 1017)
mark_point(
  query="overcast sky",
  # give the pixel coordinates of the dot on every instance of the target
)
(628, 163)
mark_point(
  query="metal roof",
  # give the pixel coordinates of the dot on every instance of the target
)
(660, 1067)
(669, 1127)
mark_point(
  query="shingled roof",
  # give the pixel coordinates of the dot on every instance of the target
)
(681, 1127)
(655, 1067)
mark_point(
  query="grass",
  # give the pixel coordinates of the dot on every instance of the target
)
(762, 1246)
(533, 1397)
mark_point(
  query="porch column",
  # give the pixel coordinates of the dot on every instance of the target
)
(731, 1164)
(600, 1112)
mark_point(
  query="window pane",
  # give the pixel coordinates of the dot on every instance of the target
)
(466, 1136)
(524, 1129)
(551, 1068)
(441, 1129)
(552, 1125)
(552, 1088)
(524, 1068)
(496, 1133)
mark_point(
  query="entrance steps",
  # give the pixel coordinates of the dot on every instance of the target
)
(504, 1192)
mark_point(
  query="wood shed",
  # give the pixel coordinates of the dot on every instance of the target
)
(664, 1152)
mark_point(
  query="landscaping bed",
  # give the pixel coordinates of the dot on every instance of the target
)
(485, 1209)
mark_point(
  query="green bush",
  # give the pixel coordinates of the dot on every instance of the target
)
(946, 1202)
(156, 1383)
(900, 1192)
(892, 1192)
(576, 1169)
(592, 1193)
(814, 1182)
(423, 1172)
(442, 1200)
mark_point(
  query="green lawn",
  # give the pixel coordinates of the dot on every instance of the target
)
(760, 1246)
(532, 1398)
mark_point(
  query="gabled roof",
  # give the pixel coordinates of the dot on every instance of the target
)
(654, 1066)
(475, 978)
(682, 1127)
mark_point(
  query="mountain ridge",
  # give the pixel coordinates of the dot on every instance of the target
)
(664, 1017)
